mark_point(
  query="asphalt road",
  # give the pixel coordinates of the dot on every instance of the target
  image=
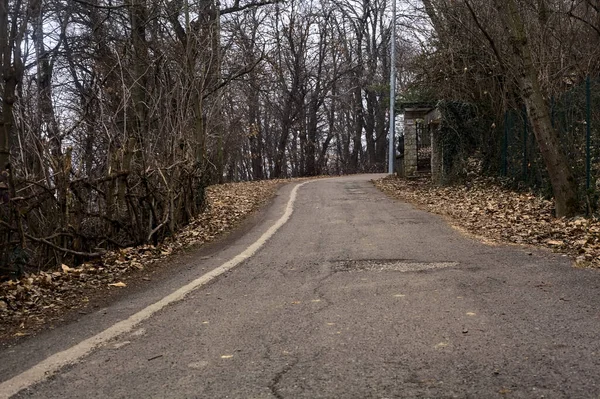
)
(356, 296)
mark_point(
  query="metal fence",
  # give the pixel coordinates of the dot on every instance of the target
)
(576, 116)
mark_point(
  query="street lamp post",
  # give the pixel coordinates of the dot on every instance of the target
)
(391, 151)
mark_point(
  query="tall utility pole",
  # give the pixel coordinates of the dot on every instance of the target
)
(391, 151)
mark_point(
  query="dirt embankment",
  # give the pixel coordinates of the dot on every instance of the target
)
(486, 209)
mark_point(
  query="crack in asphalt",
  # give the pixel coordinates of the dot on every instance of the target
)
(316, 292)
(278, 376)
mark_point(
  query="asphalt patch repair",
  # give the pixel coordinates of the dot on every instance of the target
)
(388, 265)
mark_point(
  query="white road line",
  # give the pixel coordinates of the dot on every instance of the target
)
(52, 364)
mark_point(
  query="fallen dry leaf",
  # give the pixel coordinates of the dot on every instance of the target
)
(137, 265)
(119, 284)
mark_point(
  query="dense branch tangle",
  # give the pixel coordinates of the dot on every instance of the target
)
(124, 110)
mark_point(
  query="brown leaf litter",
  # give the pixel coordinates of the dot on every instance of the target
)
(487, 210)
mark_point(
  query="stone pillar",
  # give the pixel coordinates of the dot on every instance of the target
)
(400, 166)
(410, 147)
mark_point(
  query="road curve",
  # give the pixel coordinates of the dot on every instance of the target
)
(355, 296)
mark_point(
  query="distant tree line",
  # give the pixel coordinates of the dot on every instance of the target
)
(116, 114)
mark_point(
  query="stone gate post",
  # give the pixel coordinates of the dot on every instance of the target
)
(410, 145)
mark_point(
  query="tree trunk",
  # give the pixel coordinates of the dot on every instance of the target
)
(255, 137)
(358, 131)
(370, 127)
(311, 144)
(280, 168)
(11, 70)
(561, 175)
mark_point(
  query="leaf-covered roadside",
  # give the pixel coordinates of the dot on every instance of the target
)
(487, 209)
(31, 301)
